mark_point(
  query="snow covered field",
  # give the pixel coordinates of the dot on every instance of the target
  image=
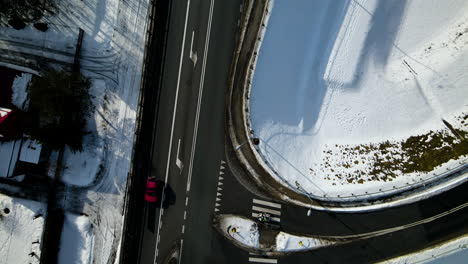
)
(349, 97)
(21, 225)
(112, 57)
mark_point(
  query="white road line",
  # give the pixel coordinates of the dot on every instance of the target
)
(173, 118)
(267, 203)
(265, 210)
(186, 201)
(276, 219)
(193, 55)
(181, 248)
(263, 260)
(185, 215)
(183, 229)
(200, 95)
(179, 162)
(191, 42)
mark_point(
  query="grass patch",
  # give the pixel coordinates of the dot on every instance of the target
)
(388, 160)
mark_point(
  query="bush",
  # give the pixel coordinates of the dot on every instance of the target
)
(60, 103)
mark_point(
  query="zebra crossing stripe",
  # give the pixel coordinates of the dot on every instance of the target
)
(263, 260)
(267, 203)
(265, 210)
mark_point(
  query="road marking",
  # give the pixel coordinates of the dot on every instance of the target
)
(220, 189)
(276, 205)
(200, 94)
(217, 199)
(186, 201)
(181, 247)
(276, 219)
(183, 229)
(185, 215)
(263, 260)
(179, 162)
(265, 210)
(173, 119)
(193, 55)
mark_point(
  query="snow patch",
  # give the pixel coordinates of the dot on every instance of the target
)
(20, 91)
(77, 241)
(288, 242)
(243, 230)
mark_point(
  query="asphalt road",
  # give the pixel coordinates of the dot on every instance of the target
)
(188, 153)
(189, 136)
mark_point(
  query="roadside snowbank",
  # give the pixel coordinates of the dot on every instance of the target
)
(243, 230)
(77, 241)
(451, 252)
(21, 227)
(355, 105)
(288, 242)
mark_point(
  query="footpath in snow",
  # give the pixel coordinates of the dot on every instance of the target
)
(357, 98)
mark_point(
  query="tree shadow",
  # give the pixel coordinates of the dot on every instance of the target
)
(386, 18)
(297, 74)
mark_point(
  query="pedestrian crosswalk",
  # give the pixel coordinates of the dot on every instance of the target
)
(261, 206)
(254, 258)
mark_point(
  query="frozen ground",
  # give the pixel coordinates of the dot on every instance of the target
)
(20, 230)
(76, 243)
(112, 56)
(348, 97)
(454, 251)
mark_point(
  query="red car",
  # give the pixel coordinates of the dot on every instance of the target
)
(154, 189)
